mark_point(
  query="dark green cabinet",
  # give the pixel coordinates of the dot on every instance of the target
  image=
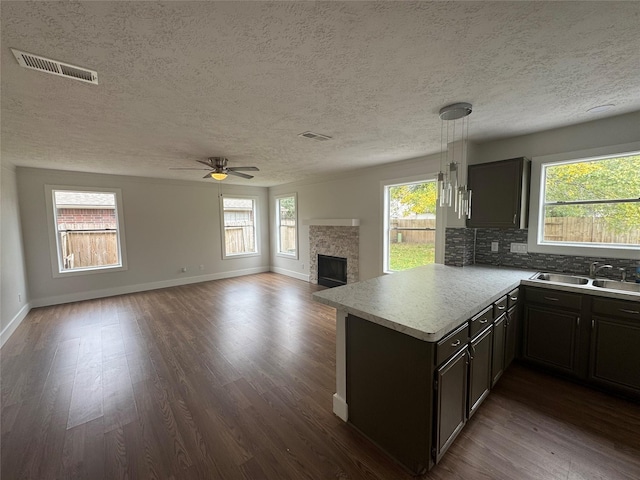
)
(500, 193)
(451, 401)
(480, 369)
(615, 345)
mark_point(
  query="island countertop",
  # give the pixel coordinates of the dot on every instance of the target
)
(425, 302)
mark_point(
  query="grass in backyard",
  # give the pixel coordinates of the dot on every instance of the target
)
(404, 256)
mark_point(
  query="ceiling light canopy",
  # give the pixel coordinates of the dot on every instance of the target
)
(452, 186)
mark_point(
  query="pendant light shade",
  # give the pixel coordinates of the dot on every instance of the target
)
(452, 178)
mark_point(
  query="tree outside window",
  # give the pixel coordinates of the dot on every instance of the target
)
(592, 202)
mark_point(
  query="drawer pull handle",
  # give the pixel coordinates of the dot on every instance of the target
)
(552, 299)
(513, 299)
(501, 307)
(456, 343)
(633, 312)
(484, 320)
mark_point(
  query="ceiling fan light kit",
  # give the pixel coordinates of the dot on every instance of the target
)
(452, 187)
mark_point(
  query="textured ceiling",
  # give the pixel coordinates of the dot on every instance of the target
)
(181, 81)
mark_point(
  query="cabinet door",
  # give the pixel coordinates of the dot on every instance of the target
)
(511, 336)
(480, 369)
(550, 337)
(499, 334)
(497, 194)
(451, 399)
(615, 356)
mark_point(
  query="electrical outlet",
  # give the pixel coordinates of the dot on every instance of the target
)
(494, 246)
(183, 269)
(303, 266)
(19, 298)
(518, 248)
(201, 267)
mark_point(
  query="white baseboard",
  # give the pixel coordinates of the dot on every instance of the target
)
(142, 287)
(290, 273)
(340, 407)
(13, 324)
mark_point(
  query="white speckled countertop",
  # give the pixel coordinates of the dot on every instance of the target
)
(425, 302)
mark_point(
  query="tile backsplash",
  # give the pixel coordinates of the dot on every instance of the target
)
(478, 242)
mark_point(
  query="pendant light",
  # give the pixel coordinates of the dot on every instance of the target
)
(452, 178)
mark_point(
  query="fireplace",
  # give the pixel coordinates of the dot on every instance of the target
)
(332, 271)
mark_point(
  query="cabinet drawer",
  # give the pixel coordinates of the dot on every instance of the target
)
(481, 321)
(618, 308)
(499, 307)
(512, 298)
(554, 298)
(452, 343)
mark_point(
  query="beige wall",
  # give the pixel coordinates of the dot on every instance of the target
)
(168, 225)
(13, 278)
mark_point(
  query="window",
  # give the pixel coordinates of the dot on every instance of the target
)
(87, 233)
(239, 226)
(410, 225)
(591, 202)
(287, 226)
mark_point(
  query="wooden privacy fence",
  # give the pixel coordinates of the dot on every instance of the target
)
(587, 229)
(287, 238)
(408, 230)
(89, 249)
(239, 239)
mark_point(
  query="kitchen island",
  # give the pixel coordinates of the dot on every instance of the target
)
(395, 334)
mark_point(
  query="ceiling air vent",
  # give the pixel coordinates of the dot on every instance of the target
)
(35, 62)
(315, 136)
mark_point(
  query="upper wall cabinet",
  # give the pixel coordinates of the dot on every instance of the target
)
(500, 193)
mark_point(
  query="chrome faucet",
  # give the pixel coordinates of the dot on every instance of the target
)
(623, 274)
(596, 267)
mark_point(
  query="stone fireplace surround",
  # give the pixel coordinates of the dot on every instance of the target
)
(339, 238)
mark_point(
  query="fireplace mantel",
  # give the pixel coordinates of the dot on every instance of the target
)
(333, 222)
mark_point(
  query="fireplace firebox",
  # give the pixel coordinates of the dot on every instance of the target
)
(332, 271)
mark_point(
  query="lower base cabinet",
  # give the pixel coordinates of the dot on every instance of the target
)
(451, 401)
(512, 327)
(615, 345)
(498, 357)
(480, 368)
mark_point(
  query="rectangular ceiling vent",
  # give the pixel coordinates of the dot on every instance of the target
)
(315, 136)
(36, 62)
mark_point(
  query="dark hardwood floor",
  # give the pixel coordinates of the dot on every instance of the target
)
(233, 379)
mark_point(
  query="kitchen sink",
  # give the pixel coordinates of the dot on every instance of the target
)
(555, 277)
(613, 285)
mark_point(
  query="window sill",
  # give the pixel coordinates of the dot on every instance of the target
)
(89, 271)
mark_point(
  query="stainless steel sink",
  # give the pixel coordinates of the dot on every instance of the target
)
(613, 285)
(554, 277)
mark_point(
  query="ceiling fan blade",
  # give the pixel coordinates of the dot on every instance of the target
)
(208, 175)
(238, 174)
(248, 169)
(187, 168)
(208, 164)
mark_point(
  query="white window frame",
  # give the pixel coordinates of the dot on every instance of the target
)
(54, 246)
(440, 218)
(277, 207)
(535, 242)
(256, 227)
